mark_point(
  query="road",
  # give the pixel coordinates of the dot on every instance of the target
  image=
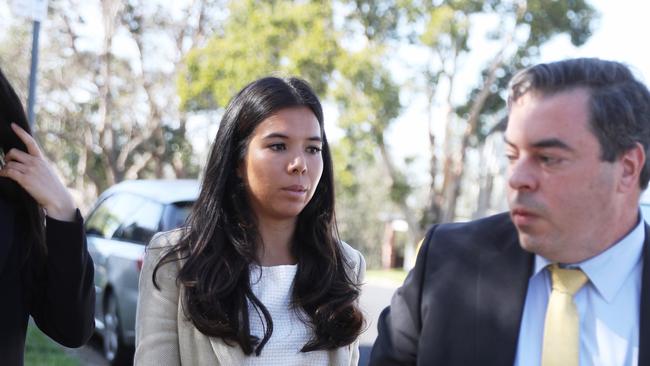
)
(375, 296)
(90, 354)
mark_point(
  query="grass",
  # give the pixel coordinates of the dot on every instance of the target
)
(41, 350)
(394, 275)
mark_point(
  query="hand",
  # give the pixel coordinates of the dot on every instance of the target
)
(35, 175)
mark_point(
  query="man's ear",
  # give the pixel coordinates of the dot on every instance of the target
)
(632, 162)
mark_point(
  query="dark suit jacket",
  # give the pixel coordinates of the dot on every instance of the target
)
(463, 301)
(61, 301)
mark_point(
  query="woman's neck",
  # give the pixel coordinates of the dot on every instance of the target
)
(276, 238)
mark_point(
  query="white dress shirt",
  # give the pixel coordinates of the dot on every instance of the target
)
(608, 305)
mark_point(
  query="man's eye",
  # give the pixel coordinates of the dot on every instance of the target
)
(548, 160)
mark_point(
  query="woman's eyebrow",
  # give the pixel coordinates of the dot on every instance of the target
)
(283, 136)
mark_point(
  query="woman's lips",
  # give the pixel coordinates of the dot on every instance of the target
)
(295, 190)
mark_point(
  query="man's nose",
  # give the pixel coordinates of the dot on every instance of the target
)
(522, 175)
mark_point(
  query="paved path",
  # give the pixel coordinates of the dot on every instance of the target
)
(375, 296)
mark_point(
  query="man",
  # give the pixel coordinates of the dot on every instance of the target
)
(481, 292)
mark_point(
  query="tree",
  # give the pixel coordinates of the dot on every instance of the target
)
(446, 34)
(106, 93)
(260, 38)
(369, 98)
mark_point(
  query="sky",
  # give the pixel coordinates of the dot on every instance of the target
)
(621, 36)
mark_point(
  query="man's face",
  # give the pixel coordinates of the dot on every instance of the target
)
(563, 198)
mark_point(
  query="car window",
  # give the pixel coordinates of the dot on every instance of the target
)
(111, 212)
(141, 224)
(176, 214)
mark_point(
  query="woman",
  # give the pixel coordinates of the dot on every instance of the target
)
(259, 276)
(45, 269)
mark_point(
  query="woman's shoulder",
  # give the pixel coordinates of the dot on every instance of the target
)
(161, 244)
(164, 241)
(353, 257)
(350, 253)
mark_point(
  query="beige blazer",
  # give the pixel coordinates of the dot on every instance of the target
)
(165, 336)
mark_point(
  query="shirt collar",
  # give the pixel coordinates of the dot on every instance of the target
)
(608, 270)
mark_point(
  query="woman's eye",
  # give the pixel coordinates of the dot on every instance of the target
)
(313, 149)
(277, 147)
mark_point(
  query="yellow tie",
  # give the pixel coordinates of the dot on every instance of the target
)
(561, 329)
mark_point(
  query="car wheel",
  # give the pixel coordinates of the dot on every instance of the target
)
(116, 352)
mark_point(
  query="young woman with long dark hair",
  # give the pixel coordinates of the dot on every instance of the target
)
(45, 269)
(259, 275)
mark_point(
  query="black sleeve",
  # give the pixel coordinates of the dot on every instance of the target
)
(399, 325)
(64, 299)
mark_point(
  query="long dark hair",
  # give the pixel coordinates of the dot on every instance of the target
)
(219, 243)
(29, 230)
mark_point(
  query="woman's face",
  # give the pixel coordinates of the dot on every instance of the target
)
(283, 164)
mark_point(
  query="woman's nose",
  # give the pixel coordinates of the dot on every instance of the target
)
(298, 165)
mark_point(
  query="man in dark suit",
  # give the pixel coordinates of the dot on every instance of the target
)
(45, 269)
(573, 246)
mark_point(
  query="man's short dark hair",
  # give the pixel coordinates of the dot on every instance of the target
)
(619, 104)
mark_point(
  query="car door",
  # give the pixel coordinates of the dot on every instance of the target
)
(118, 230)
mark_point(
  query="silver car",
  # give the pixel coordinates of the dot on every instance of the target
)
(118, 228)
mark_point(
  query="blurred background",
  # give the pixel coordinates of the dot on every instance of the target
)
(413, 91)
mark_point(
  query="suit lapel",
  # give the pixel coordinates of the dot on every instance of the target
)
(502, 285)
(7, 230)
(644, 326)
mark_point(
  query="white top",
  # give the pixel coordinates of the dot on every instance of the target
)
(608, 306)
(273, 287)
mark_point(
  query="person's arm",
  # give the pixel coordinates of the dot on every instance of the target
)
(64, 299)
(62, 296)
(156, 336)
(400, 323)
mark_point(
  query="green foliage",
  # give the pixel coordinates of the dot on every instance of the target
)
(369, 100)
(378, 18)
(348, 157)
(261, 38)
(367, 95)
(549, 18)
(361, 188)
(41, 350)
(400, 189)
(446, 26)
